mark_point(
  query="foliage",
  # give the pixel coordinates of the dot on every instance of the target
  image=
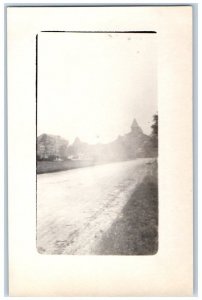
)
(155, 125)
(154, 134)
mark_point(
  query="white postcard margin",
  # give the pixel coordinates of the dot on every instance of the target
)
(170, 271)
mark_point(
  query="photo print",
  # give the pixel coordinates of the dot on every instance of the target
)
(97, 143)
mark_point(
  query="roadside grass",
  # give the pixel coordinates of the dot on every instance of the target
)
(135, 231)
(55, 166)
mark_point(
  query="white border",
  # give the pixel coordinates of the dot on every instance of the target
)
(2, 117)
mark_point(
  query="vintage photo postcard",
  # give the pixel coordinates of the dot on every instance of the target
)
(100, 151)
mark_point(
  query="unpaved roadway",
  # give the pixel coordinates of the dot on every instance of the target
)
(76, 207)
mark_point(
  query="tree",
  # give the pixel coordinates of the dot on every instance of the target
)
(155, 126)
(154, 134)
(63, 151)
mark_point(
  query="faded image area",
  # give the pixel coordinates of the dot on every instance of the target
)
(97, 143)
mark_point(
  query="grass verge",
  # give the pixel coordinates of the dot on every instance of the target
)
(135, 231)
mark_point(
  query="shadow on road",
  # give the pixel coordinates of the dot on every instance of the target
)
(135, 231)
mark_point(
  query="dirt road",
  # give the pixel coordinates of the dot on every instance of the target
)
(76, 207)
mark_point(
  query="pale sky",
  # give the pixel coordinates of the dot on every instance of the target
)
(93, 85)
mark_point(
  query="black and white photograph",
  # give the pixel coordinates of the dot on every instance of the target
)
(97, 142)
(100, 150)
